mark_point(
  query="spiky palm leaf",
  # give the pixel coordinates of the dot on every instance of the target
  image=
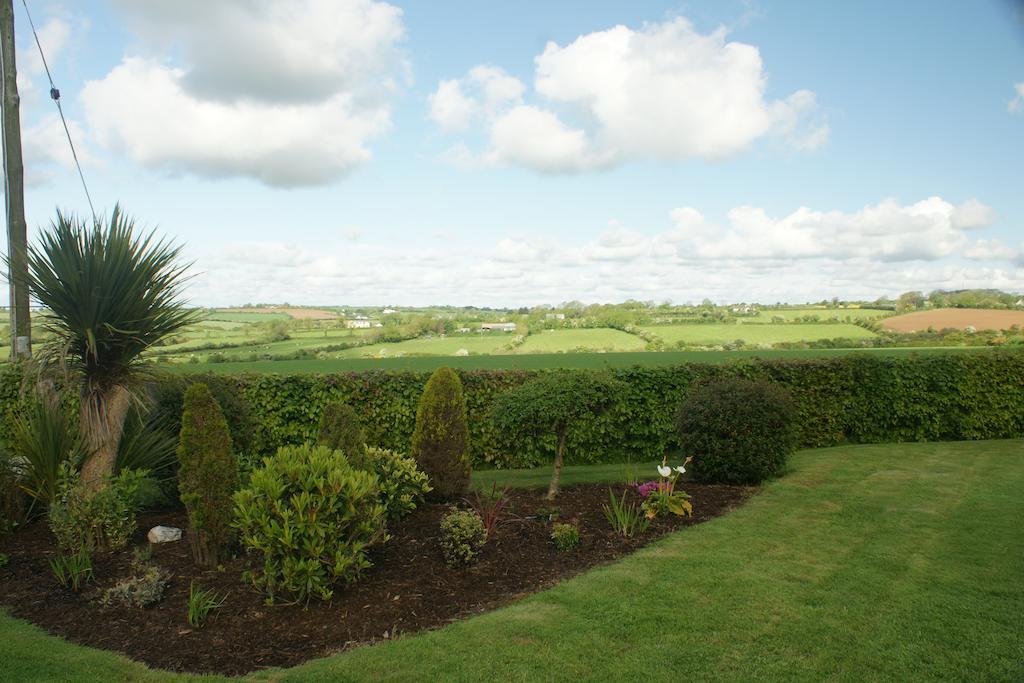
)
(111, 294)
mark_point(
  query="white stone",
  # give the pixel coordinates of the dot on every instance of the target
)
(164, 534)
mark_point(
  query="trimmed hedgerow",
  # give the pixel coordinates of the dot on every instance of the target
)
(207, 475)
(340, 430)
(739, 431)
(440, 440)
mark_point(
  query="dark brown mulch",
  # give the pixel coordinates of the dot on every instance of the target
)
(409, 588)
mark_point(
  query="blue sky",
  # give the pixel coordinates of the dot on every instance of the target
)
(351, 151)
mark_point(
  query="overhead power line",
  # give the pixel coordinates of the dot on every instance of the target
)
(55, 96)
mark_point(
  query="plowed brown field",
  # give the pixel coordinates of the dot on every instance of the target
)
(960, 318)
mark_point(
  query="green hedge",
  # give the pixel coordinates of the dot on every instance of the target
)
(858, 398)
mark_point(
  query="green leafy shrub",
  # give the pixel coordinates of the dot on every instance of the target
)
(565, 536)
(738, 431)
(340, 430)
(144, 588)
(100, 520)
(12, 505)
(462, 536)
(313, 517)
(552, 404)
(201, 603)
(73, 571)
(402, 484)
(207, 475)
(440, 442)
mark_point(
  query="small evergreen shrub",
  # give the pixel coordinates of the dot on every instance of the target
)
(402, 484)
(738, 431)
(341, 430)
(440, 440)
(462, 536)
(207, 475)
(312, 517)
(146, 587)
(100, 520)
(565, 536)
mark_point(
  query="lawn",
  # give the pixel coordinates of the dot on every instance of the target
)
(544, 361)
(767, 333)
(554, 341)
(889, 562)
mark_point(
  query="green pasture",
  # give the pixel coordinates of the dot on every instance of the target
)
(897, 562)
(433, 346)
(766, 315)
(555, 341)
(544, 361)
(248, 316)
(766, 333)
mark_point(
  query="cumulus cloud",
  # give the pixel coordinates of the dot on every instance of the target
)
(664, 91)
(1016, 105)
(806, 255)
(288, 92)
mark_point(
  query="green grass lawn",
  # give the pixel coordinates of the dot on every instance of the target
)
(541, 361)
(764, 333)
(890, 562)
(554, 341)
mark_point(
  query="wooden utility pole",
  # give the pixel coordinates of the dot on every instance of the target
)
(14, 190)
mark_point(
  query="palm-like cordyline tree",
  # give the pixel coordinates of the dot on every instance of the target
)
(111, 294)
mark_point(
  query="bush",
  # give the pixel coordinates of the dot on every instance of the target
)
(100, 520)
(340, 430)
(440, 441)
(207, 475)
(462, 536)
(12, 507)
(144, 588)
(305, 554)
(565, 536)
(43, 438)
(402, 484)
(738, 431)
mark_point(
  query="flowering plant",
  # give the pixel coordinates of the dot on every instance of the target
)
(661, 497)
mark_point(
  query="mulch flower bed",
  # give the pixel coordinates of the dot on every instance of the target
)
(408, 589)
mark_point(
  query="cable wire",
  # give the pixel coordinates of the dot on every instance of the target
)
(55, 96)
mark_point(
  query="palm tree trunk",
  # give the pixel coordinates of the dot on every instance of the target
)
(101, 426)
(556, 474)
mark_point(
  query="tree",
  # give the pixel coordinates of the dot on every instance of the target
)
(111, 294)
(910, 301)
(551, 404)
(440, 441)
(207, 474)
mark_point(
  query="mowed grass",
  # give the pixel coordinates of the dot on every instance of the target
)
(592, 361)
(554, 341)
(888, 562)
(715, 333)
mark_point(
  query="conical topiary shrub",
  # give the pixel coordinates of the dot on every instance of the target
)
(440, 442)
(207, 475)
(341, 430)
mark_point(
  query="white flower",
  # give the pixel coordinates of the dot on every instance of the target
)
(664, 470)
(681, 469)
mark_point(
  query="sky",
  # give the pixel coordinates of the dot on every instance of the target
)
(355, 152)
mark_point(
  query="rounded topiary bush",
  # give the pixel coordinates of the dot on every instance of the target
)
(207, 474)
(313, 517)
(341, 430)
(440, 441)
(738, 431)
(402, 484)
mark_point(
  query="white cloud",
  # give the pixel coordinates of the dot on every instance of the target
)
(490, 90)
(806, 255)
(663, 91)
(286, 92)
(1017, 103)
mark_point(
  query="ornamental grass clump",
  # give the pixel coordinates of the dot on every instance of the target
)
(207, 475)
(741, 431)
(313, 517)
(440, 441)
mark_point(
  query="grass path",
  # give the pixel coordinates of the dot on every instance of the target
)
(892, 562)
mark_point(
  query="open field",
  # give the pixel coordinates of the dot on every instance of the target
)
(546, 361)
(714, 333)
(960, 318)
(432, 346)
(601, 339)
(858, 564)
(766, 315)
